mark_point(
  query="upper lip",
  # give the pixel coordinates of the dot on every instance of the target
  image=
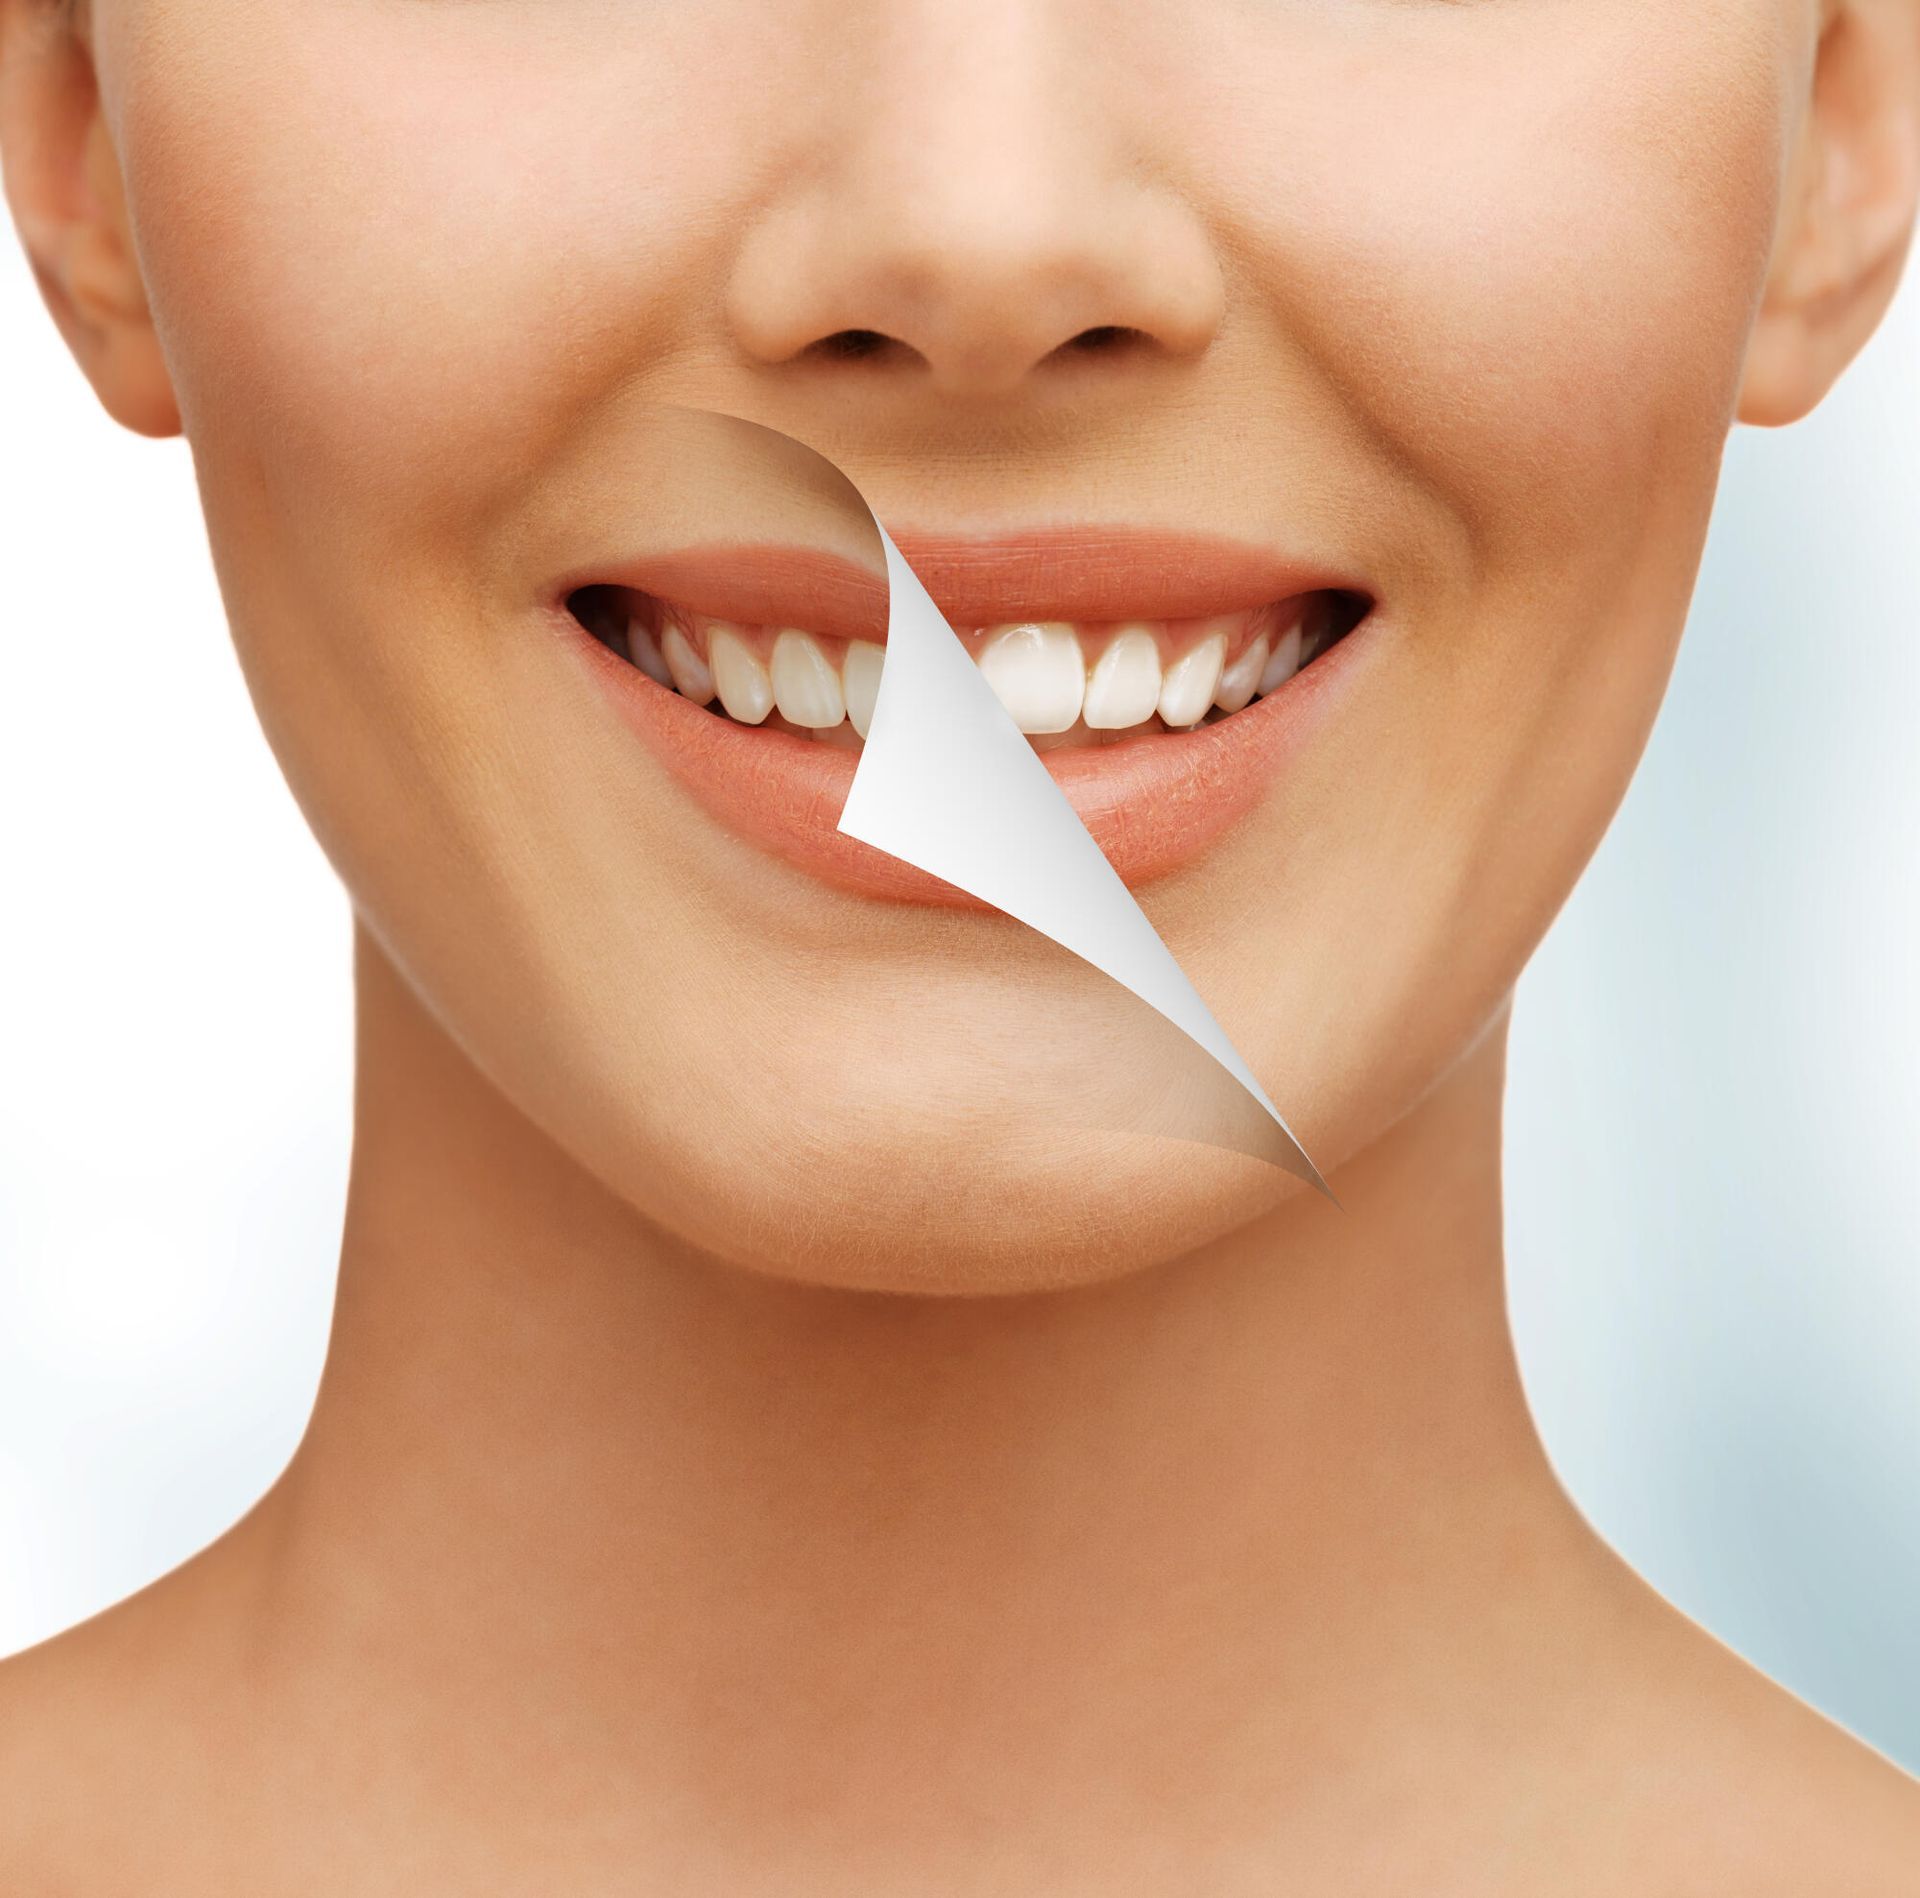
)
(1086, 573)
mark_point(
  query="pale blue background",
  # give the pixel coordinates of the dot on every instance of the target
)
(1715, 1115)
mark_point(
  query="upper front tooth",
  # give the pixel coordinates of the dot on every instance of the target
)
(1037, 673)
(805, 687)
(1284, 663)
(1241, 679)
(691, 679)
(739, 678)
(1188, 689)
(1125, 687)
(860, 675)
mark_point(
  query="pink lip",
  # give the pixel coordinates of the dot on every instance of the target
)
(1152, 804)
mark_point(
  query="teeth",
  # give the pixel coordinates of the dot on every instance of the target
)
(739, 678)
(1316, 629)
(1125, 687)
(691, 679)
(1285, 661)
(1037, 673)
(860, 676)
(1186, 694)
(1037, 669)
(644, 650)
(1241, 680)
(805, 687)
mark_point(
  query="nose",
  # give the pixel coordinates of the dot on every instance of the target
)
(968, 211)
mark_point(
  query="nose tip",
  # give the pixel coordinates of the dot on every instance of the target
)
(971, 279)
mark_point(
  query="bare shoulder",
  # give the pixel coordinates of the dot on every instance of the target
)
(1753, 1792)
(51, 1739)
(99, 1729)
(1829, 1814)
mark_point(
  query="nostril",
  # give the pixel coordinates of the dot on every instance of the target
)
(1104, 339)
(852, 345)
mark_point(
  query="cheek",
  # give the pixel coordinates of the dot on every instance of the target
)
(369, 228)
(1524, 242)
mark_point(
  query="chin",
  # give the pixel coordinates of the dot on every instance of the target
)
(939, 1164)
(945, 1209)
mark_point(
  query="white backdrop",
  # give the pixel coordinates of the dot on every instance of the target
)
(1715, 1121)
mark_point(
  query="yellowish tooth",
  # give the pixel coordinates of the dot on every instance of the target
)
(1037, 672)
(860, 682)
(1284, 663)
(644, 650)
(1186, 693)
(741, 680)
(685, 667)
(1124, 688)
(1241, 680)
(805, 687)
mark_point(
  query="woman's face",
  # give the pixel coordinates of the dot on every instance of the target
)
(1444, 304)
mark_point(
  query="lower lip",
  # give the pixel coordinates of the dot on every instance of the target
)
(1153, 804)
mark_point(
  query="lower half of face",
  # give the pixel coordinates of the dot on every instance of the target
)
(1308, 422)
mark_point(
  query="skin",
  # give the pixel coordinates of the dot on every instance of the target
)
(678, 1513)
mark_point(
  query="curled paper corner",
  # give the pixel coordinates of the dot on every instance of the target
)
(946, 779)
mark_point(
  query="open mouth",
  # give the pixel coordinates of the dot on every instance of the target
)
(1166, 678)
(1065, 683)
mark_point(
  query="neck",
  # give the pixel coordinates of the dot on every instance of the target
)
(758, 1546)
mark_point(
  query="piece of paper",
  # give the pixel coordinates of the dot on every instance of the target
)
(947, 782)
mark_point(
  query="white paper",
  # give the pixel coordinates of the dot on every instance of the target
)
(947, 782)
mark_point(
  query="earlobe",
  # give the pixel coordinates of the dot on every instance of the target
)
(1848, 213)
(63, 185)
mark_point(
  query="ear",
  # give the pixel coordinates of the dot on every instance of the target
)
(1848, 214)
(63, 184)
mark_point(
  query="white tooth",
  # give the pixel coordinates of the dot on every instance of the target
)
(1238, 683)
(1037, 672)
(739, 678)
(1284, 663)
(805, 687)
(860, 679)
(644, 650)
(1187, 691)
(1125, 687)
(691, 679)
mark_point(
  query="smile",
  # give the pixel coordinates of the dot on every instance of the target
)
(752, 673)
(1062, 683)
